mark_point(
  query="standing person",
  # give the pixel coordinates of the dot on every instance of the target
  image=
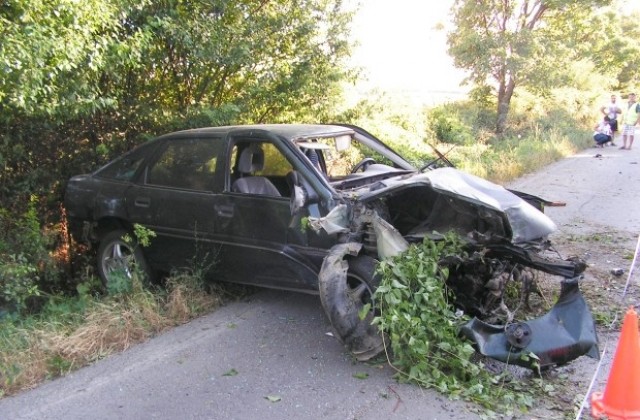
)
(630, 118)
(602, 134)
(612, 110)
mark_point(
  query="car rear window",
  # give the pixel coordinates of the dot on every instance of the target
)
(125, 167)
(188, 164)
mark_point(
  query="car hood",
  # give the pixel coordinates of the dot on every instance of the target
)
(527, 223)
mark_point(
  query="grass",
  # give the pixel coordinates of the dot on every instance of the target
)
(510, 158)
(73, 332)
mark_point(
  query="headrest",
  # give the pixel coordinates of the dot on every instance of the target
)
(251, 159)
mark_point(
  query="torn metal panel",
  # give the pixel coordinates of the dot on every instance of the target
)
(567, 268)
(563, 334)
(334, 222)
(389, 241)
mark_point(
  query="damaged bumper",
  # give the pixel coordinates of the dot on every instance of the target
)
(563, 334)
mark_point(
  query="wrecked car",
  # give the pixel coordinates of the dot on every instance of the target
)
(312, 208)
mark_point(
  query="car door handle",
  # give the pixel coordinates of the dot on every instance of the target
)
(224, 210)
(142, 202)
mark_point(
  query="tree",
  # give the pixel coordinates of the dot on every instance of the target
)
(84, 80)
(49, 53)
(510, 43)
(617, 54)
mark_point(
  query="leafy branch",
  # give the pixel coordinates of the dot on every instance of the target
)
(417, 314)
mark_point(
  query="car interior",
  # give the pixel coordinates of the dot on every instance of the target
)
(259, 168)
(251, 160)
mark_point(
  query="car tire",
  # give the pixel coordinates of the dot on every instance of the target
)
(119, 254)
(343, 301)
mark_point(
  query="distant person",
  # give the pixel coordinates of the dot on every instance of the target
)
(612, 110)
(602, 134)
(630, 118)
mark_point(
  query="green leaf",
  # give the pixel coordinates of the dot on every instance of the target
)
(361, 375)
(397, 285)
(231, 372)
(273, 398)
(362, 313)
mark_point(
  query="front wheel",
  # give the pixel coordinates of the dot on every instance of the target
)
(344, 295)
(119, 259)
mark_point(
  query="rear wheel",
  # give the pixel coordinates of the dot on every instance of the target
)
(344, 300)
(119, 259)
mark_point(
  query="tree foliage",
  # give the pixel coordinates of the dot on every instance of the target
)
(615, 50)
(83, 81)
(519, 43)
(50, 54)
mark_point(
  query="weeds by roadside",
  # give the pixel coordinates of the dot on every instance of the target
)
(72, 332)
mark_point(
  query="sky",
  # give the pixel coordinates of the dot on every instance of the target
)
(401, 51)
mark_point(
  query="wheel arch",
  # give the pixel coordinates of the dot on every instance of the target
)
(109, 224)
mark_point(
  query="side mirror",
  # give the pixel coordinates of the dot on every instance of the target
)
(302, 193)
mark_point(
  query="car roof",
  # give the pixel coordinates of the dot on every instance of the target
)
(290, 131)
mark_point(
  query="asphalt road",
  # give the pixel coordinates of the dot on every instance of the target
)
(277, 344)
(286, 364)
(600, 191)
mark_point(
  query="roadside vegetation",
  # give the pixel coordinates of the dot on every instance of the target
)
(70, 332)
(73, 99)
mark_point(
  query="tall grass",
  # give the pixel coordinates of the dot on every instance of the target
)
(538, 134)
(73, 332)
(511, 158)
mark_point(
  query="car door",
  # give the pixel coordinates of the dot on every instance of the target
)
(263, 242)
(177, 198)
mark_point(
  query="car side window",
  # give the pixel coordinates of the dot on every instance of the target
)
(275, 164)
(124, 168)
(259, 160)
(188, 164)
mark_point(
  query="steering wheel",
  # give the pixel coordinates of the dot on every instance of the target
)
(363, 164)
(440, 157)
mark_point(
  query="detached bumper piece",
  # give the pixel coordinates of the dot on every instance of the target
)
(563, 334)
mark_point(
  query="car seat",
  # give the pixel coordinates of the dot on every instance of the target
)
(252, 160)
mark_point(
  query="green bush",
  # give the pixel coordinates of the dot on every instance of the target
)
(25, 261)
(18, 282)
(446, 123)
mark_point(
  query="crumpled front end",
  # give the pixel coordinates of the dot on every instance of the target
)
(446, 199)
(482, 282)
(561, 335)
(506, 252)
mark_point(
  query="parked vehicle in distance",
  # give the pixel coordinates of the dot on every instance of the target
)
(312, 208)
